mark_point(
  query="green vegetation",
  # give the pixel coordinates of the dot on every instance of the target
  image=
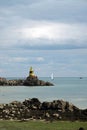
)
(41, 125)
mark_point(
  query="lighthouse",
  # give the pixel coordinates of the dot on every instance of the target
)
(31, 72)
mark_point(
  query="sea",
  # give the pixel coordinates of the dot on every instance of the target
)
(71, 89)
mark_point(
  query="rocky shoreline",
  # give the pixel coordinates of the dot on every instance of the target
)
(32, 109)
(29, 81)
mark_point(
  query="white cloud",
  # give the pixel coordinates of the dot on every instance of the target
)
(55, 31)
(43, 30)
(24, 22)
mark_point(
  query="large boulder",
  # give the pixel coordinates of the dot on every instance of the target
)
(34, 81)
(31, 81)
(33, 103)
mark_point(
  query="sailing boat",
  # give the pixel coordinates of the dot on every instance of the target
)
(52, 76)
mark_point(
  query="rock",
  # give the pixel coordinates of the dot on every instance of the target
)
(33, 103)
(1, 106)
(16, 104)
(34, 81)
(45, 105)
(47, 115)
(3, 81)
(29, 81)
(48, 84)
(15, 82)
(34, 109)
(56, 115)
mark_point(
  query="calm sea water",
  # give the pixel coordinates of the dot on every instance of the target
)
(69, 89)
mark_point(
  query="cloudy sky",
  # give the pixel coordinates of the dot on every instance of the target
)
(49, 35)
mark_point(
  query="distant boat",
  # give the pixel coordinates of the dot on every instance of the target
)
(80, 77)
(52, 76)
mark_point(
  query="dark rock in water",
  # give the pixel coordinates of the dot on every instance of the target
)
(29, 81)
(34, 81)
(15, 82)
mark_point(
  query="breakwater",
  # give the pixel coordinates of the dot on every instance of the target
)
(29, 81)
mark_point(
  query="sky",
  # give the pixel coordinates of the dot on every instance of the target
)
(49, 35)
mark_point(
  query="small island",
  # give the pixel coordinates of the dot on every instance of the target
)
(31, 80)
